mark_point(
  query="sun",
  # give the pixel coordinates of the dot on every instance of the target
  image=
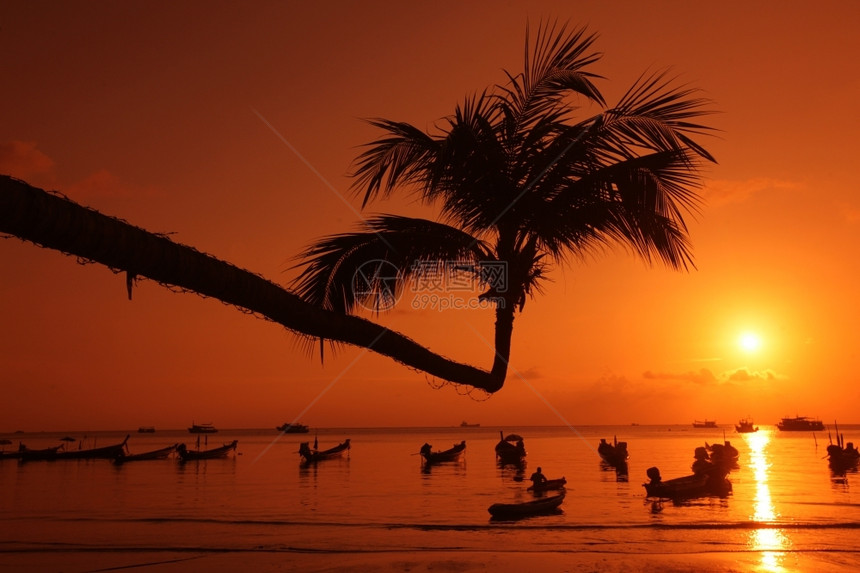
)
(749, 342)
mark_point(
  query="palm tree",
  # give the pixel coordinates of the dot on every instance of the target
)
(522, 184)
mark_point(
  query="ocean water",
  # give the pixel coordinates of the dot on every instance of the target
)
(379, 498)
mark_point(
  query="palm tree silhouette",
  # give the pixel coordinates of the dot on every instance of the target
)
(522, 185)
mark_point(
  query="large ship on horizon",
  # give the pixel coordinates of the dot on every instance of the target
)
(800, 424)
(202, 428)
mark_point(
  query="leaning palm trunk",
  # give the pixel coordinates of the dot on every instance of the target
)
(54, 222)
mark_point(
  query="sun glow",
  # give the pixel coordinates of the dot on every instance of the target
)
(770, 541)
(749, 342)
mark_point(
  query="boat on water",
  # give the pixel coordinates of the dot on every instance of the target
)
(548, 485)
(159, 454)
(146, 430)
(800, 424)
(701, 484)
(842, 457)
(725, 454)
(745, 426)
(465, 424)
(450, 455)
(288, 428)
(26, 454)
(510, 449)
(705, 423)
(315, 455)
(103, 453)
(186, 455)
(539, 506)
(202, 429)
(614, 454)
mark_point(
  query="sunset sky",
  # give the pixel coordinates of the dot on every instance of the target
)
(233, 126)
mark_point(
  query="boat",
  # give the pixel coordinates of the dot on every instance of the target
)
(614, 454)
(186, 455)
(146, 430)
(724, 455)
(104, 453)
(315, 455)
(465, 424)
(510, 449)
(202, 429)
(450, 455)
(548, 485)
(288, 428)
(842, 457)
(26, 454)
(800, 424)
(745, 426)
(539, 506)
(160, 454)
(701, 484)
(705, 423)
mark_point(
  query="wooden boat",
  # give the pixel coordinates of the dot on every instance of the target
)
(315, 455)
(103, 453)
(614, 454)
(10, 455)
(160, 454)
(202, 429)
(510, 449)
(745, 426)
(548, 485)
(26, 454)
(705, 424)
(724, 454)
(539, 506)
(842, 457)
(288, 428)
(450, 455)
(186, 455)
(701, 484)
(800, 424)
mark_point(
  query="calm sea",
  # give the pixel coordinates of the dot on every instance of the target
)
(784, 499)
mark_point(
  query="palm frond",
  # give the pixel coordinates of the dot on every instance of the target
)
(554, 67)
(371, 267)
(403, 156)
(655, 115)
(640, 202)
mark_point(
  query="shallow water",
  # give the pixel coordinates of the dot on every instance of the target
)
(379, 498)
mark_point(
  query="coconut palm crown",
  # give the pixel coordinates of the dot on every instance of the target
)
(522, 183)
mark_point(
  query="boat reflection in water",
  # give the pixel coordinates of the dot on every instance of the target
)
(771, 541)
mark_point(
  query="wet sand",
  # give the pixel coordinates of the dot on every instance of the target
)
(420, 562)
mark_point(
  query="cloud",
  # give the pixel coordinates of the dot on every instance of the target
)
(723, 192)
(99, 184)
(744, 375)
(707, 378)
(532, 373)
(702, 376)
(21, 159)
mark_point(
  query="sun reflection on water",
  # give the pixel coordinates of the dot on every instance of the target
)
(771, 541)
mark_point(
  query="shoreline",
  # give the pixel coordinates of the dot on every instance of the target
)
(423, 561)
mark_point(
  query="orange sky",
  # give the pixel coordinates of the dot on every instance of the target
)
(233, 127)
